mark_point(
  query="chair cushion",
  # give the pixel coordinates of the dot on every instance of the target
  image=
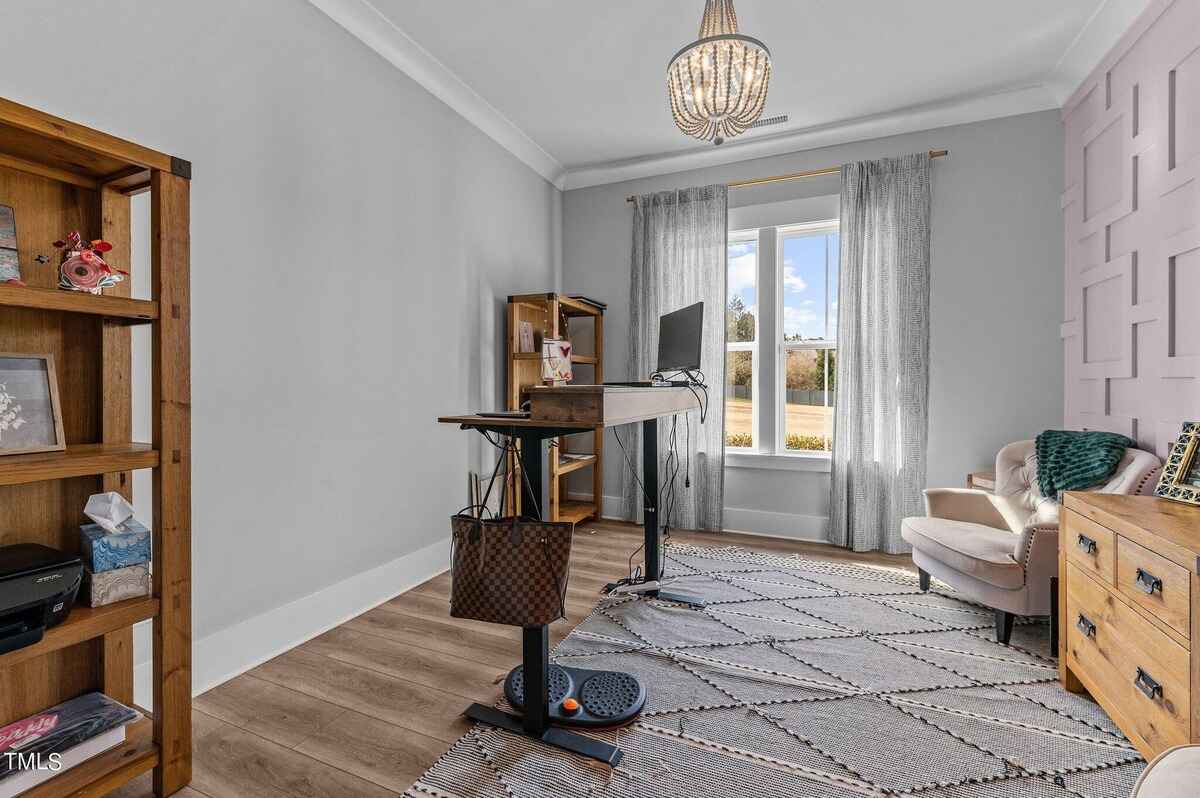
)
(1172, 774)
(983, 552)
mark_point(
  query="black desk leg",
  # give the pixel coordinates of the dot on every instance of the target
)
(531, 464)
(653, 550)
(535, 650)
(535, 656)
(653, 529)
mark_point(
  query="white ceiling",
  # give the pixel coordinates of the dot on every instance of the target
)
(583, 83)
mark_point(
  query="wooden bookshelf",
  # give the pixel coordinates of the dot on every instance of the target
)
(58, 177)
(551, 315)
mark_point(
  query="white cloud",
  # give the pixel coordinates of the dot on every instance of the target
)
(743, 270)
(799, 321)
(791, 280)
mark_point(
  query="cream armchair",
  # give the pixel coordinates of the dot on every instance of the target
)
(1001, 549)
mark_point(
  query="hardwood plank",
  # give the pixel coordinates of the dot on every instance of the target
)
(79, 460)
(391, 756)
(232, 762)
(433, 635)
(472, 680)
(170, 253)
(423, 709)
(276, 713)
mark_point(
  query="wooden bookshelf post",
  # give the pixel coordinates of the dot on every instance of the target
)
(58, 177)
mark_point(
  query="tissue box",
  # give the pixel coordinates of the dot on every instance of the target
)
(118, 584)
(104, 551)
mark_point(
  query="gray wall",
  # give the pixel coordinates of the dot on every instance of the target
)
(996, 296)
(353, 242)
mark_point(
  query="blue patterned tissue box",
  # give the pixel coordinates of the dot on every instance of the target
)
(104, 551)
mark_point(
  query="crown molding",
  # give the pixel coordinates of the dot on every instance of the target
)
(372, 28)
(1113, 22)
(958, 111)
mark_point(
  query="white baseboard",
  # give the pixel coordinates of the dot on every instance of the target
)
(234, 650)
(789, 526)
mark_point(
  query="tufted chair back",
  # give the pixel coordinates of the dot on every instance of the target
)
(1016, 479)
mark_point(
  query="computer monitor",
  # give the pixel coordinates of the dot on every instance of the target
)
(679, 335)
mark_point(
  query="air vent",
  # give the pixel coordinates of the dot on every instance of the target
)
(763, 121)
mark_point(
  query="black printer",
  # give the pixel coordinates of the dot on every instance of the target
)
(38, 585)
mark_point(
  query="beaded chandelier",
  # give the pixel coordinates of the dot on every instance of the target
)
(718, 83)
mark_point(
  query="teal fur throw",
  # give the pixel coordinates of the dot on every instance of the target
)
(1072, 460)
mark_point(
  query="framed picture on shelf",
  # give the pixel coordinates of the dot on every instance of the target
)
(10, 264)
(556, 361)
(30, 413)
(526, 335)
(1180, 480)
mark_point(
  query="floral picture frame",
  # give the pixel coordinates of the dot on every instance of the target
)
(30, 411)
(1180, 480)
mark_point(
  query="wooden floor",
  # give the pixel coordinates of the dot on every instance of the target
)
(365, 708)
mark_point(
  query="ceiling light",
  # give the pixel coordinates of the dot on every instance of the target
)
(718, 83)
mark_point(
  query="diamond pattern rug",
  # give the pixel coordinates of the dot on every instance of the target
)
(811, 679)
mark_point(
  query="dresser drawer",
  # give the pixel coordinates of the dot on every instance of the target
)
(1090, 546)
(1155, 583)
(1138, 671)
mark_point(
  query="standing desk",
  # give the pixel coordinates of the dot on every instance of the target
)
(565, 410)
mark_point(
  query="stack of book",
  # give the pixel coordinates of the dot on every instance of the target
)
(116, 565)
(44, 745)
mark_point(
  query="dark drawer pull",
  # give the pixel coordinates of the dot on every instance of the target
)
(1147, 582)
(1086, 544)
(1150, 688)
(1084, 625)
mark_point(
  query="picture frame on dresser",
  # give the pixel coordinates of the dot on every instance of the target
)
(1180, 480)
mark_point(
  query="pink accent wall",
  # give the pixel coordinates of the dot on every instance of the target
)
(1131, 330)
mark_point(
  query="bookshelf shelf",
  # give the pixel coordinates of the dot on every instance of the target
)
(82, 460)
(119, 308)
(86, 623)
(568, 464)
(99, 776)
(57, 177)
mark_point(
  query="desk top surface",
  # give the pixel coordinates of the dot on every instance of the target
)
(586, 407)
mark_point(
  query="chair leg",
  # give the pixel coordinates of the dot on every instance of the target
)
(1004, 625)
(923, 576)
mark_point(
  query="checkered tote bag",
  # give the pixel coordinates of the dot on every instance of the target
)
(508, 570)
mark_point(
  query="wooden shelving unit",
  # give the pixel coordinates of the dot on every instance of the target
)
(550, 315)
(58, 177)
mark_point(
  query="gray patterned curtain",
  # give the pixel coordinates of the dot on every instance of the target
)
(881, 418)
(679, 255)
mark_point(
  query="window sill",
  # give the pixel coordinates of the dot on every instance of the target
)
(811, 461)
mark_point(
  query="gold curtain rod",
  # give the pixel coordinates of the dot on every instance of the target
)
(830, 170)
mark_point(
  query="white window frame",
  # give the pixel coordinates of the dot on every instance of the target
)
(769, 413)
(736, 237)
(819, 228)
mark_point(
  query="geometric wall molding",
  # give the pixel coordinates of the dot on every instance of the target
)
(1131, 212)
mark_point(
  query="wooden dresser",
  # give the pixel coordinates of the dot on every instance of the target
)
(1129, 604)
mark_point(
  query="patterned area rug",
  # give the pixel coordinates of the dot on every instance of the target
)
(811, 679)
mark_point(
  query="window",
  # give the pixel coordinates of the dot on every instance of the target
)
(741, 326)
(781, 335)
(808, 298)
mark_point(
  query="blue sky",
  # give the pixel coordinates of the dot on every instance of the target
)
(809, 269)
(810, 265)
